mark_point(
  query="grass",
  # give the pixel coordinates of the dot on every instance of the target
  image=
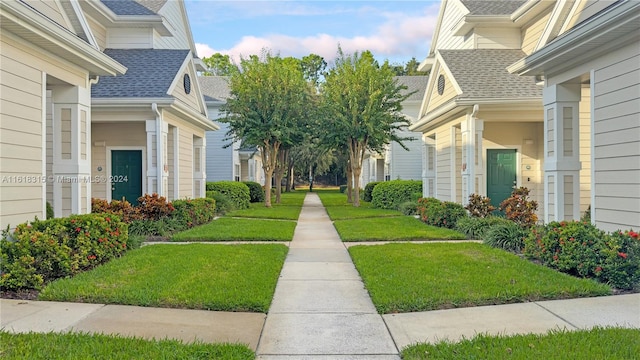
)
(349, 212)
(228, 229)
(52, 346)
(418, 277)
(596, 343)
(194, 276)
(277, 211)
(398, 228)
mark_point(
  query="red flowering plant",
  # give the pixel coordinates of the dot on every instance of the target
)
(519, 208)
(621, 265)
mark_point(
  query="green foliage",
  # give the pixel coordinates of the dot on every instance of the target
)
(343, 188)
(194, 212)
(223, 202)
(390, 194)
(391, 228)
(581, 249)
(256, 191)
(50, 213)
(479, 206)
(367, 192)
(41, 251)
(586, 217)
(229, 229)
(519, 208)
(476, 227)
(409, 207)
(237, 192)
(123, 209)
(219, 65)
(437, 213)
(507, 236)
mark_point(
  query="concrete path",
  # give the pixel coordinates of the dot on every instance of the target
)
(321, 309)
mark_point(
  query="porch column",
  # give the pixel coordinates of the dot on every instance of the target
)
(157, 166)
(71, 167)
(428, 167)
(481, 189)
(561, 151)
(199, 173)
(468, 157)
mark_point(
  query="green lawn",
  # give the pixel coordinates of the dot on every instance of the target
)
(234, 229)
(194, 276)
(277, 211)
(418, 277)
(398, 228)
(597, 343)
(52, 346)
(345, 212)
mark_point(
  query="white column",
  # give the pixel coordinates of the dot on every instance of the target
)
(199, 174)
(561, 151)
(468, 132)
(481, 189)
(71, 150)
(428, 167)
(157, 166)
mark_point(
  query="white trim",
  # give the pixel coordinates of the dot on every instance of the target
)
(176, 162)
(452, 160)
(44, 143)
(109, 149)
(592, 110)
(83, 23)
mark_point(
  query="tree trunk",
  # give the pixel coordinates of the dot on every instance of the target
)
(269, 161)
(279, 173)
(349, 183)
(289, 176)
(356, 188)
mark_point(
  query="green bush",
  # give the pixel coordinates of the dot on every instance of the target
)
(256, 191)
(41, 251)
(437, 213)
(409, 208)
(237, 192)
(367, 192)
(580, 249)
(194, 212)
(476, 227)
(390, 194)
(223, 203)
(50, 213)
(507, 236)
(343, 188)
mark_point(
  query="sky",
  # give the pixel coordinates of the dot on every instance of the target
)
(391, 30)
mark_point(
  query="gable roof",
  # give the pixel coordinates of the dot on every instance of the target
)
(492, 7)
(482, 74)
(215, 88)
(414, 83)
(134, 7)
(151, 73)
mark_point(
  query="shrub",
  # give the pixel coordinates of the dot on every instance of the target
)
(123, 209)
(343, 188)
(580, 249)
(154, 207)
(223, 203)
(237, 192)
(41, 251)
(50, 213)
(409, 208)
(479, 206)
(476, 227)
(519, 208)
(367, 192)
(506, 235)
(194, 212)
(390, 194)
(437, 213)
(256, 191)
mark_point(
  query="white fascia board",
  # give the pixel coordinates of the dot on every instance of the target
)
(469, 22)
(426, 64)
(64, 42)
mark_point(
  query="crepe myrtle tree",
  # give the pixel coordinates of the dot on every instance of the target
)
(364, 103)
(267, 101)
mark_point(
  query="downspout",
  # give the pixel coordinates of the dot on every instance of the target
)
(159, 150)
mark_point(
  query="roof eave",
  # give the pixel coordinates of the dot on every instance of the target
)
(468, 22)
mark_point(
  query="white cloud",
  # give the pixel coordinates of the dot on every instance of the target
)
(400, 36)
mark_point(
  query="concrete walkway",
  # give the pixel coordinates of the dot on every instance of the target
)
(320, 310)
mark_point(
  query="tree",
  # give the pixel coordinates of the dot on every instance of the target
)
(268, 95)
(363, 102)
(219, 65)
(408, 69)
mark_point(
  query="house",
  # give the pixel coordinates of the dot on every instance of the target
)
(481, 125)
(592, 69)
(397, 162)
(97, 101)
(49, 60)
(231, 163)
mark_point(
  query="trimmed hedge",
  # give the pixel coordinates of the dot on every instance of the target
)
(42, 251)
(367, 193)
(390, 194)
(194, 212)
(256, 191)
(237, 192)
(437, 213)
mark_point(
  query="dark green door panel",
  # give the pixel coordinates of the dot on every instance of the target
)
(126, 175)
(501, 174)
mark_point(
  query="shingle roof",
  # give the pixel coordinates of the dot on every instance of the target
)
(134, 7)
(492, 7)
(482, 73)
(150, 73)
(215, 88)
(414, 83)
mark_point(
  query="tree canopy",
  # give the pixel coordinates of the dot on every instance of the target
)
(219, 65)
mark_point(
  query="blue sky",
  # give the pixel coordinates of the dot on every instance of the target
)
(393, 30)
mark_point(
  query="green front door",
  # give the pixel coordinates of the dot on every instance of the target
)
(126, 175)
(501, 174)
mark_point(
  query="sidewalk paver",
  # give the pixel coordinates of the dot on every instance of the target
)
(42, 316)
(320, 309)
